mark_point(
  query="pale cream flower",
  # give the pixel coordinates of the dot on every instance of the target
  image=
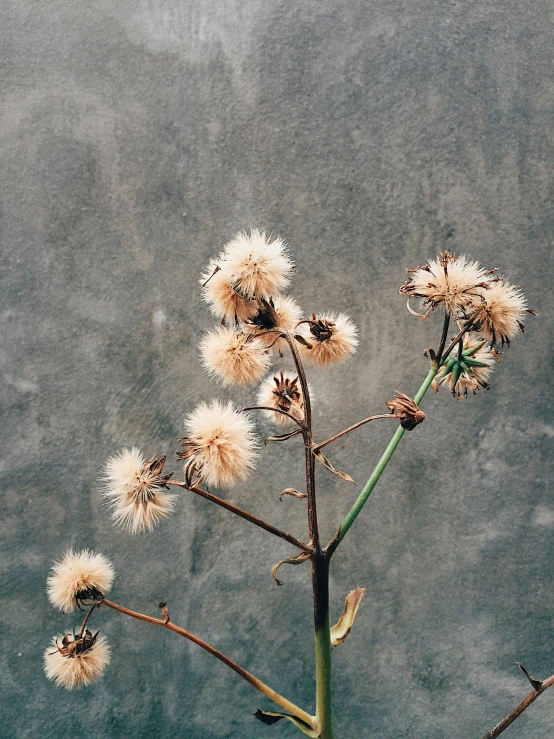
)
(135, 490)
(468, 372)
(452, 283)
(255, 266)
(499, 314)
(77, 577)
(224, 301)
(329, 339)
(76, 661)
(220, 443)
(278, 312)
(284, 392)
(234, 356)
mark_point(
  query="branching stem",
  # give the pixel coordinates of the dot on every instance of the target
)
(251, 679)
(243, 514)
(525, 703)
(319, 446)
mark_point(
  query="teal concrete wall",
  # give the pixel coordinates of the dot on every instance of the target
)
(137, 137)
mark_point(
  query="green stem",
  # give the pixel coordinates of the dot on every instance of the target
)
(353, 513)
(324, 714)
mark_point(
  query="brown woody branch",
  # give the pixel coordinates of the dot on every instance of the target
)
(319, 446)
(525, 703)
(243, 514)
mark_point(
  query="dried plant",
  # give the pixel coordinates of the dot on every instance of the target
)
(243, 288)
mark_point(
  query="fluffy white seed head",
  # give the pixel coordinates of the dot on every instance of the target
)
(255, 266)
(282, 391)
(71, 664)
(220, 443)
(498, 315)
(224, 301)
(234, 356)
(479, 362)
(448, 282)
(280, 312)
(333, 338)
(79, 576)
(134, 490)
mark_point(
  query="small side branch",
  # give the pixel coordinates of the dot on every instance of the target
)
(319, 446)
(251, 679)
(525, 703)
(273, 410)
(244, 514)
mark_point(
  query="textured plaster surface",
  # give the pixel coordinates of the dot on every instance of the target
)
(137, 137)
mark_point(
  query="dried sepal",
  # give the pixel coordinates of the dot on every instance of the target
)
(284, 393)
(76, 660)
(274, 315)
(329, 339)
(342, 628)
(327, 464)
(296, 560)
(272, 717)
(293, 492)
(406, 410)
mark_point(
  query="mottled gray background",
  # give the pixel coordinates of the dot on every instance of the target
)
(137, 137)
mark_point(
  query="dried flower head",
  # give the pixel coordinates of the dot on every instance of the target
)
(282, 392)
(78, 577)
(135, 490)
(275, 313)
(76, 660)
(406, 410)
(330, 338)
(224, 301)
(255, 266)
(220, 443)
(468, 371)
(452, 283)
(498, 315)
(234, 356)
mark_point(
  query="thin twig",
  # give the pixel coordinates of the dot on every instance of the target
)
(243, 514)
(273, 410)
(82, 629)
(455, 340)
(251, 679)
(319, 446)
(525, 703)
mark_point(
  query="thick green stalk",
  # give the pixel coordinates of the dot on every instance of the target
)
(353, 513)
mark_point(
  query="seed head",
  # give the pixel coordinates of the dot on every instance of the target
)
(283, 392)
(498, 315)
(255, 266)
(470, 371)
(75, 661)
(329, 338)
(234, 356)
(224, 301)
(220, 443)
(454, 284)
(406, 410)
(278, 312)
(135, 490)
(77, 577)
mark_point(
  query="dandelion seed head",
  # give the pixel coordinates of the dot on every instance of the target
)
(333, 338)
(234, 356)
(255, 266)
(498, 315)
(76, 662)
(222, 299)
(282, 391)
(134, 491)
(220, 443)
(79, 576)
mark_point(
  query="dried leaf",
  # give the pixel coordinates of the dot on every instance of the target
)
(297, 560)
(283, 437)
(301, 340)
(341, 629)
(294, 492)
(325, 462)
(271, 717)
